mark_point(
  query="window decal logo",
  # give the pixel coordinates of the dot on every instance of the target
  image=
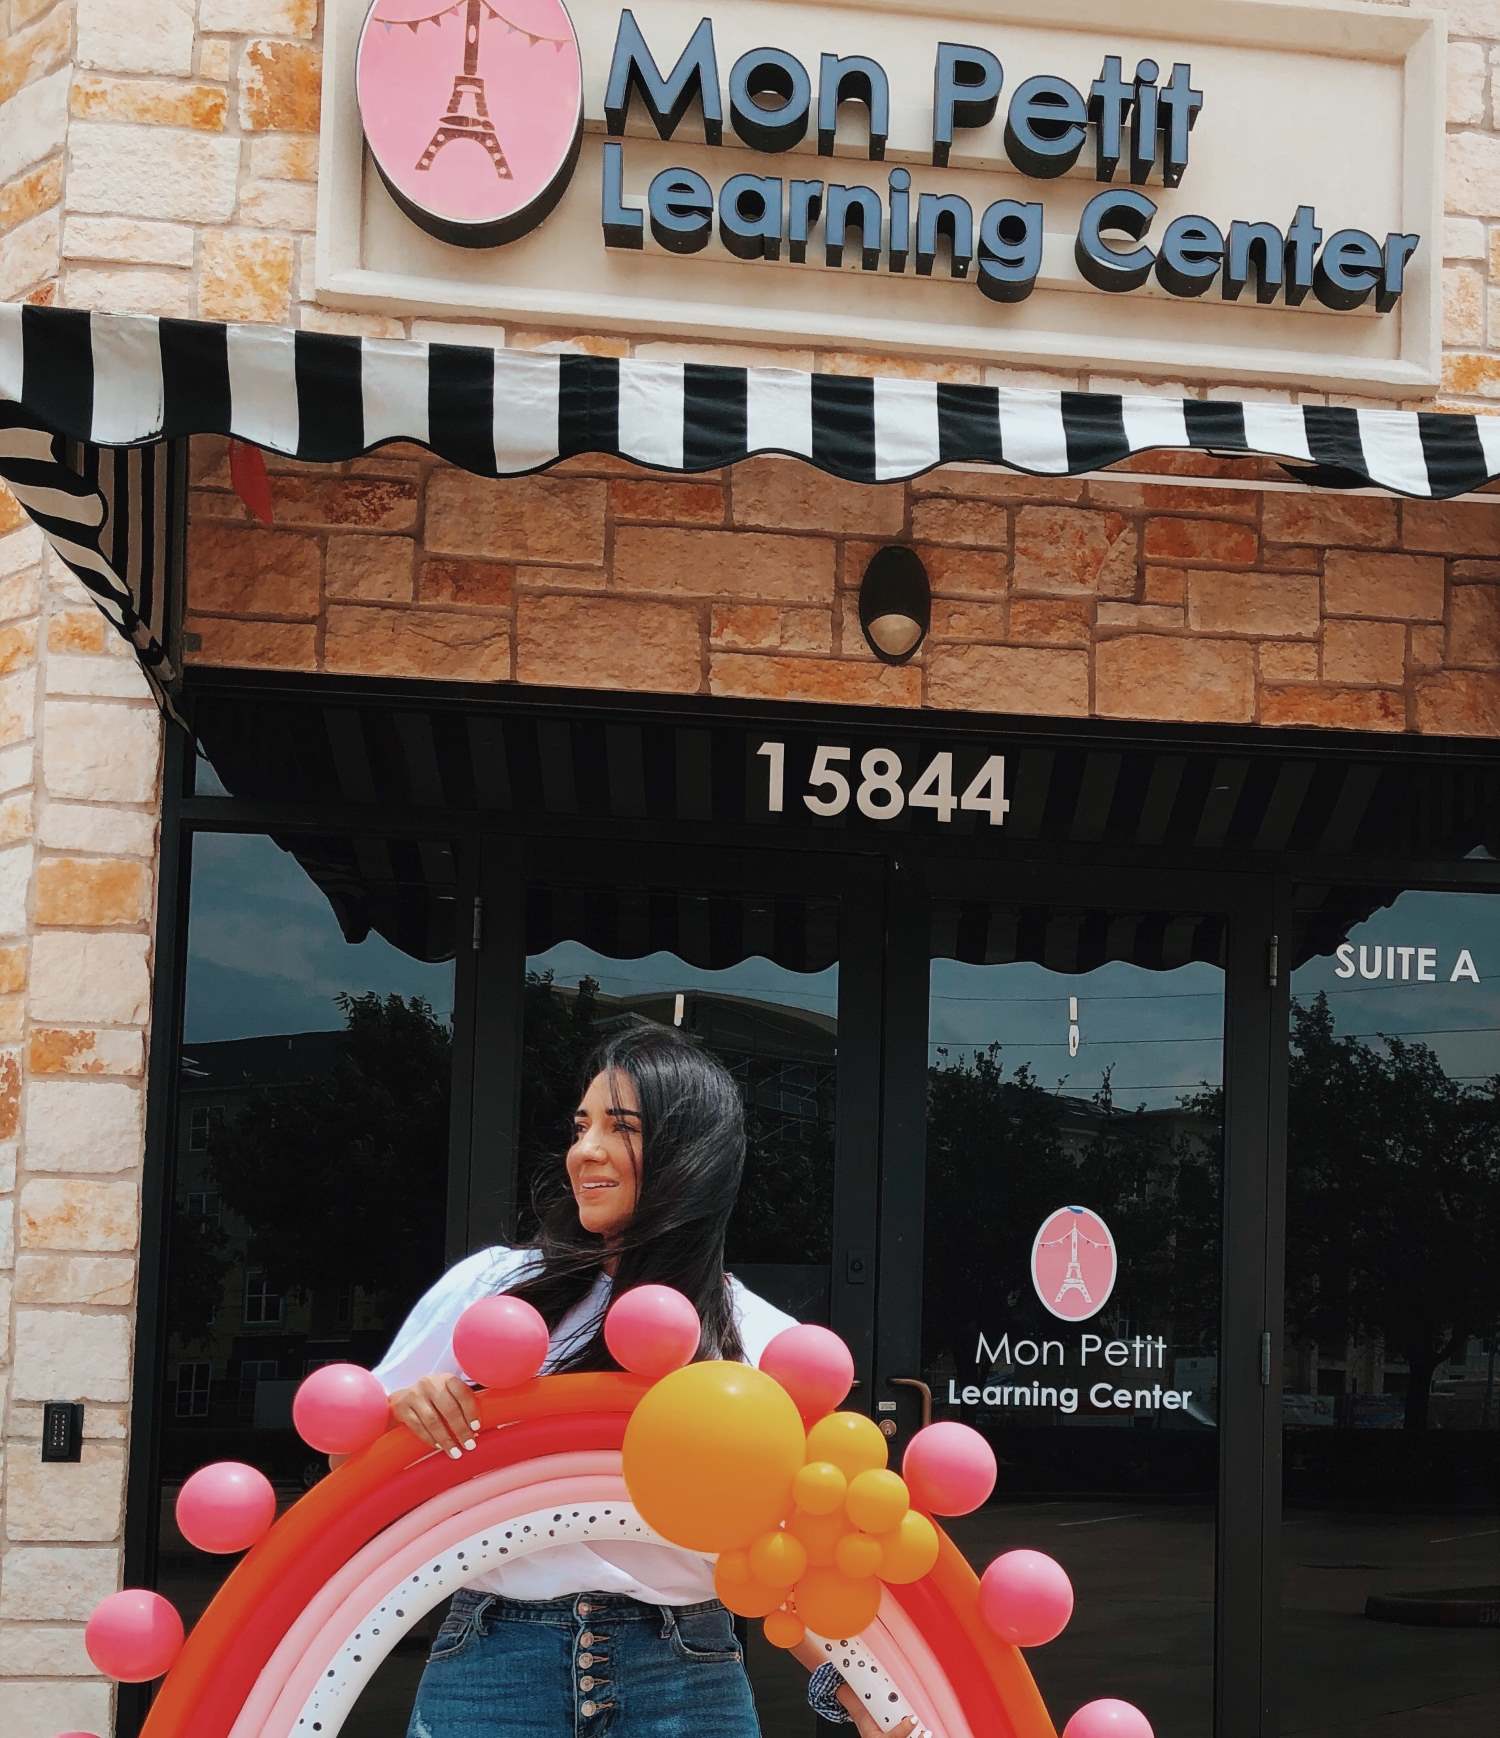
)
(473, 112)
(1074, 1264)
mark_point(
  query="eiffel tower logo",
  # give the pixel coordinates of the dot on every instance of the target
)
(1073, 1279)
(471, 121)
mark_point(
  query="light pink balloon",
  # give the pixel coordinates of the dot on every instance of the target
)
(1108, 1719)
(652, 1330)
(1026, 1598)
(225, 1507)
(500, 1341)
(134, 1636)
(949, 1469)
(340, 1409)
(814, 1366)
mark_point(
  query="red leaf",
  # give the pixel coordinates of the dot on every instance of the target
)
(247, 471)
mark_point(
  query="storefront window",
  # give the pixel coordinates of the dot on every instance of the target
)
(1391, 1391)
(1071, 1298)
(311, 1157)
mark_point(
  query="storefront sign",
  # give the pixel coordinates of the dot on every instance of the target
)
(1073, 1264)
(881, 784)
(1394, 964)
(811, 173)
(1092, 1388)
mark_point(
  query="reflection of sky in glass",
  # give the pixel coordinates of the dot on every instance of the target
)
(1161, 1033)
(1459, 1021)
(265, 953)
(759, 979)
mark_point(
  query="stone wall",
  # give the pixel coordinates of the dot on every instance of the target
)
(1069, 599)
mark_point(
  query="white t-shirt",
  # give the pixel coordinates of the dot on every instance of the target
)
(657, 1574)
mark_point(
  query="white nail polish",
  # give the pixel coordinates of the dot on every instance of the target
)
(473, 1424)
(455, 1454)
(471, 1444)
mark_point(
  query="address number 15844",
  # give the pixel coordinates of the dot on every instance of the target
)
(881, 788)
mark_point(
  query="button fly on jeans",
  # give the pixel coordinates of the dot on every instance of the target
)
(585, 1660)
(587, 1638)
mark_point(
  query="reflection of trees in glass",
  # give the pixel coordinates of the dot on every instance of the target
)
(195, 1275)
(1393, 1200)
(342, 1179)
(785, 1209)
(559, 1031)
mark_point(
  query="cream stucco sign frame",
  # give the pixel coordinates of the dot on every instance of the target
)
(1327, 102)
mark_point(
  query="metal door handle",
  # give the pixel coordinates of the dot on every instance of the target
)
(922, 1389)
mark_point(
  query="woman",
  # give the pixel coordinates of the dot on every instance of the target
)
(626, 1640)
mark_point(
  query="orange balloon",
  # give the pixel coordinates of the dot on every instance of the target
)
(743, 1594)
(785, 1629)
(851, 1441)
(777, 1559)
(710, 1454)
(834, 1606)
(820, 1487)
(819, 1534)
(909, 1551)
(877, 1500)
(857, 1556)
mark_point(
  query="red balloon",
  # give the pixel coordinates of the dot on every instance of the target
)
(652, 1330)
(814, 1366)
(949, 1469)
(501, 1341)
(1026, 1598)
(134, 1636)
(225, 1507)
(1108, 1719)
(340, 1409)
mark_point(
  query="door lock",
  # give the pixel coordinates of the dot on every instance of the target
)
(888, 1427)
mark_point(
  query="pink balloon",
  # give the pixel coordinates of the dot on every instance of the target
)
(501, 1341)
(134, 1636)
(1108, 1719)
(1026, 1598)
(652, 1330)
(949, 1469)
(225, 1507)
(340, 1409)
(814, 1366)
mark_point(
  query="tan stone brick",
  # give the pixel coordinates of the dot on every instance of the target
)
(347, 324)
(95, 749)
(54, 1705)
(609, 643)
(289, 205)
(76, 631)
(1321, 519)
(667, 503)
(10, 1097)
(45, 1583)
(166, 174)
(477, 584)
(17, 706)
(894, 367)
(145, 36)
(98, 830)
(1190, 680)
(43, 1502)
(80, 1279)
(1474, 626)
(435, 644)
(1164, 585)
(284, 157)
(246, 17)
(245, 275)
(17, 818)
(1141, 618)
(17, 646)
(1373, 652)
(13, 968)
(996, 485)
(83, 1126)
(1472, 181)
(1052, 621)
(92, 895)
(964, 619)
(32, 254)
(1451, 527)
(281, 86)
(1402, 587)
(553, 519)
(1469, 375)
(252, 645)
(253, 570)
(216, 59)
(82, 978)
(1288, 661)
(764, 627)
(1281, 605)
(538, 576)
(1208, 542)
(59, 1050)
(1468, 66)
(1067, 549)
(29, 54)
(1459, 703)
(1425, 651)
(30, 194)
(1170, 498)
(39, 1649)
(1334, 708)
(154, 102)
(784, 495)
(1291, 558)
(1463, 305)
(980, 524)
(1476, 572)
(375, 569)
(131, 290)
(551, 341)
(87, 1357)
(1009, 679)
(343, 503)
(732, 564)
(836, 681)
(724, 355)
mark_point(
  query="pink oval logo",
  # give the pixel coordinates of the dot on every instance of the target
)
(1074, 1264)
(473, 111)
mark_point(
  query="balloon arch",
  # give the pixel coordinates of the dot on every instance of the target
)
(811, 1530)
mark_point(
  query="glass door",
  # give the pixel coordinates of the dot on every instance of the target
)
(1057, 1260)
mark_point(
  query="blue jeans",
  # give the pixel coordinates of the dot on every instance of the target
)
(593, 1666)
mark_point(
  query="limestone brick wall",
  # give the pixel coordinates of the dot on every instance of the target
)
(1074, 598)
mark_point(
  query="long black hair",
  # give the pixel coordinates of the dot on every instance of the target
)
(689, 1164)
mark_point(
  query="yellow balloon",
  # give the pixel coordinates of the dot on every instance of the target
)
(909, 1551)
(744, 1595)
(777, 1559)
(820, 1488)
(819, 1535)
(834, 1606)
(785, 1629)
(857, 1556)
(877, 1501)
(710, 1454)
(851, 1441)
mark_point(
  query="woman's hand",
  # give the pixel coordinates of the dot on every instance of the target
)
(864, 1720)
(440, 1411)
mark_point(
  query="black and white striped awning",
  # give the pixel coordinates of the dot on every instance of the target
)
(78, 389)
